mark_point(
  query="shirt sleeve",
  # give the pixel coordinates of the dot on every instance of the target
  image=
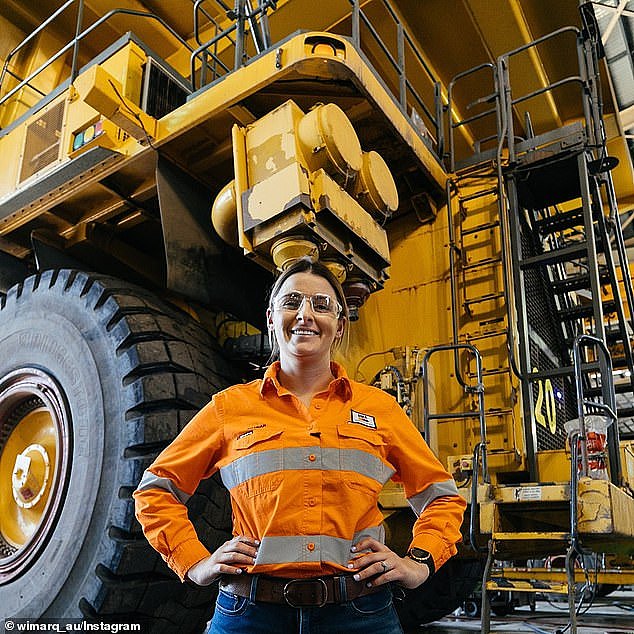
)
(430, 490)
(170, 481)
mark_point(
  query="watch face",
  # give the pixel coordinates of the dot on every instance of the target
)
(421, 556)
(418, 554)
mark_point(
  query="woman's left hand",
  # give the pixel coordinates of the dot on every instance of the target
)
(382, 565)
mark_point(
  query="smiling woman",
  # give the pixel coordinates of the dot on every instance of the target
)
(304, 453)
(306, 320)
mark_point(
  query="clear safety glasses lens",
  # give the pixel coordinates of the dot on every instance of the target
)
(320, 303)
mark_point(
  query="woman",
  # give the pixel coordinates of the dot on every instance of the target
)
(304, 453)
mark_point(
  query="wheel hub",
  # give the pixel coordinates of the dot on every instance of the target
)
(34, 452)
(30, 476)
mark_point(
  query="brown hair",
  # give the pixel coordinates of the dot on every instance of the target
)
(306, 265)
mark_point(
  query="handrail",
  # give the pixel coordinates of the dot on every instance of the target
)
(480, 449)
(403, 36)
(28, 38)
(242, 13)
(473, 389)
(74, 43)
(453, 125)
(254, 19)
(608, 406)
(508, 101)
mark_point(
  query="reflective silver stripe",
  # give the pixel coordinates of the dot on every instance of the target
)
(436, 490)
(299, 458)
(152, 481)
(312, 548)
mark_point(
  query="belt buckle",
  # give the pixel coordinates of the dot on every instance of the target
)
(324, 591)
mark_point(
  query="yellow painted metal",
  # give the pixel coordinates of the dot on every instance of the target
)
(615, 576)
(223, 214)
(270, 171)
(522, 585)
(530, 492)
(375, 188)
(27, 473)
(101, 91)
(554, 464)
(286, 250)
(604, 509)
(627, 459)
(298, 176)
(550, 536)
(505, 28)
(328, 141)
(326, 194)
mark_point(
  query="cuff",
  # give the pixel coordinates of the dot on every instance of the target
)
(185, 555)
(439, 549)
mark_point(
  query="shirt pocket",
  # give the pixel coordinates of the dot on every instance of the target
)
(259, 461)
(360, 452)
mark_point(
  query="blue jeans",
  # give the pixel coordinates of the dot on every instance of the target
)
(370, 614)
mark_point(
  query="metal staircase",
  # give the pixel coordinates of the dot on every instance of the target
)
(560, 269)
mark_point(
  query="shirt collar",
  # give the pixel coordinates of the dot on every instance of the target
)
(339, 385)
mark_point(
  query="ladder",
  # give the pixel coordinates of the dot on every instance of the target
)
(563, 260)
(480, 288)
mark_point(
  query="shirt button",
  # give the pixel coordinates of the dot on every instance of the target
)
(317, 406)
(310, 546)
(311, 502)
(312, 457)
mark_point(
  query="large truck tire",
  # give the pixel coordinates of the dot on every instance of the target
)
(96, 377)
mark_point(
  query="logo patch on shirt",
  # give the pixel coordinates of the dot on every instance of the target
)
(362, 419)
(249, 431)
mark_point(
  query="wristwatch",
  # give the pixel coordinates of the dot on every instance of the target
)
(421, 556)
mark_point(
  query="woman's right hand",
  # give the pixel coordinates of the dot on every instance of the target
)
(226, 560)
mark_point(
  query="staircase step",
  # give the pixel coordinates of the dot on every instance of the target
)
(619, 388)
(572, 252)
(560, 222)
(566, 370)
(584, 310)
(526, 585)
(613, 338)
(578, 283)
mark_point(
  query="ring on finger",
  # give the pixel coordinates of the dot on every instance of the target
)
(384, 566)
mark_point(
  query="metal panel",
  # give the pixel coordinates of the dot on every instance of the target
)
(41, 146)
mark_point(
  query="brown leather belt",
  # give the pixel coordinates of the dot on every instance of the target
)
(298, 593)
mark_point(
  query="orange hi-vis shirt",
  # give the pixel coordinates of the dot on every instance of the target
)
(303, 481)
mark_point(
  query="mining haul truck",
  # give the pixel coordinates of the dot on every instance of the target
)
(463, 168)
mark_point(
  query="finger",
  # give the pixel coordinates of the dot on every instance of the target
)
(246, 540)
(216, 571)
(224, 569)
(236, 559)
(242, 548)
(373, 569)
(368, 544)
(241, 544)
(364, 560)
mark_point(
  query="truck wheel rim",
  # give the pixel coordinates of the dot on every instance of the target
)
(34, 460)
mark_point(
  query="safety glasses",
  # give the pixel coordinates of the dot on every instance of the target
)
(321, 303)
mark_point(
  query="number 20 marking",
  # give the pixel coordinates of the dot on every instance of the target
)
(546, 393)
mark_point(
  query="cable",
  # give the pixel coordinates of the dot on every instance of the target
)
(364, 358)
(133, 113)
